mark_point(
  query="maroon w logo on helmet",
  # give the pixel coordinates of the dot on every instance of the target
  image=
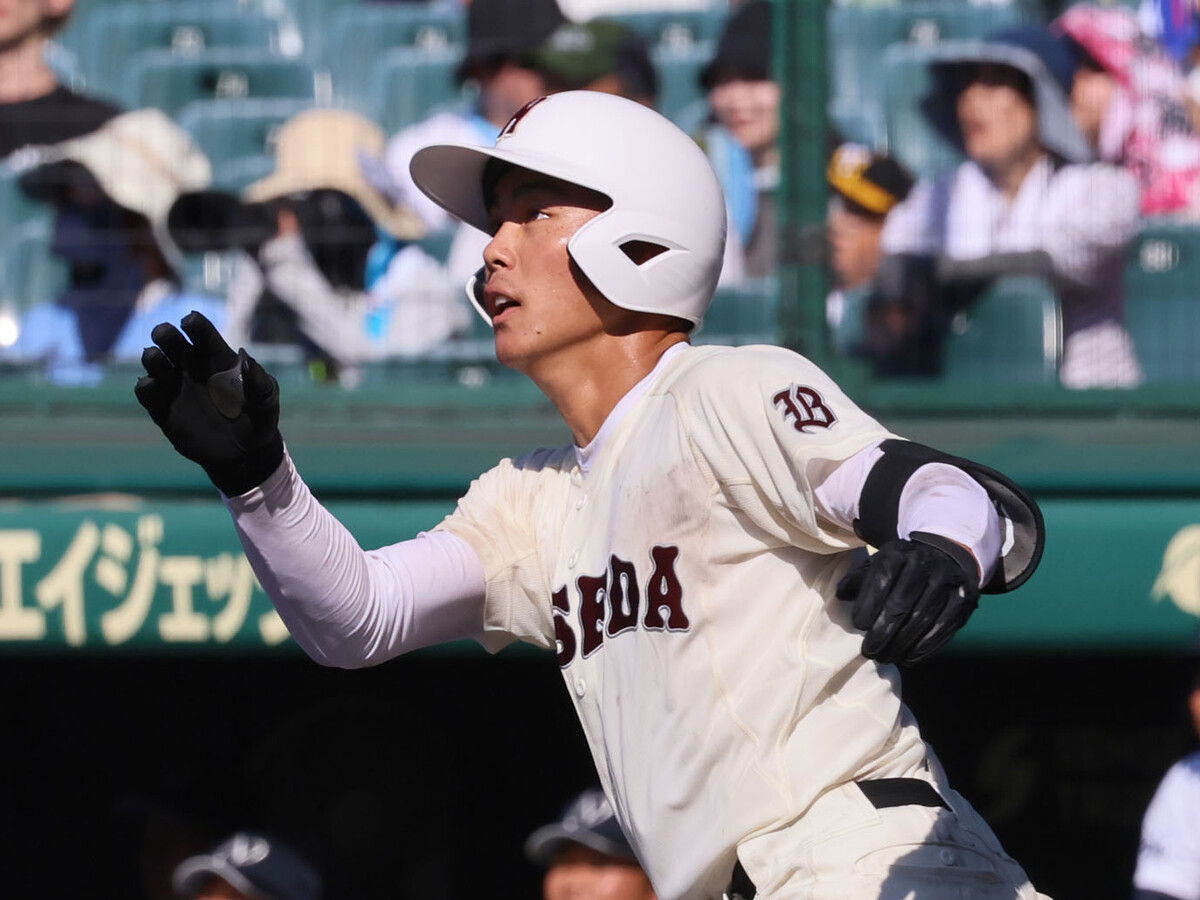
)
(521, 113)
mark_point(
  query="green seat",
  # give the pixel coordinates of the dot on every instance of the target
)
(163, 79)
(679, 30)
(407, 84)
(746, 314)
(29, 272)
(680, 97)
(115, 34)
(238, 136)
(359, 35)
(1011, 335)
(1162, 302)
(16, 208)
(858, 35)
(911, 139)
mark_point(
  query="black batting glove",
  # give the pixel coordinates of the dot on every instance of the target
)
(911, 597)
(216, 407)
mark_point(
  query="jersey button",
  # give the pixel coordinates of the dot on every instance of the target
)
(580, 501)
(580, 687)
(947, 856)
(572, 559)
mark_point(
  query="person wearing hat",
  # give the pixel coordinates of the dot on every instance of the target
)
(503, 37)
(586, 855)
(35, 109)
(1129, 98)
(864, 188)
(309, 228)
(247, 866)
(599, 55)
(744, 147)
(1028, 199)
(111, 190)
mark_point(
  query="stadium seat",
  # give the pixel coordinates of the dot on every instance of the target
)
(1162, 306)
(859, 34)
(680, 30)
(15, 207)
(165, 80)
(911, 139)
(29, 272)
(1011, 335)
(238, 136)
(115, 34)
(746, 314)
(680, 97)
(360, 34)
(407, 84)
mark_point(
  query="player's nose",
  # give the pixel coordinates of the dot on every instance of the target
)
(499, 251)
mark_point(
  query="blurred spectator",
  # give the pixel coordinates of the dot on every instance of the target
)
(1130, 100)
(745, 148)
(1168, 862)
(865, 187)
(1025, 201)
(308, 228)
(502, 38)
(34, 108)
(600, 55)
(587, 856)
(111, 190)
(247, 866)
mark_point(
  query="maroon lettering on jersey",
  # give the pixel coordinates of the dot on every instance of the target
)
(511, 126)
(665, 593)
(804, 407)
(623, 599)
(562, 628)
(591, 611)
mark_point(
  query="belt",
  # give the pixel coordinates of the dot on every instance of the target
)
(882, 793)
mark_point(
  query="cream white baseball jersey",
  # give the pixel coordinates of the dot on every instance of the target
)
(687, 585)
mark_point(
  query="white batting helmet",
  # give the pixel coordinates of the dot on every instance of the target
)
(662, 188)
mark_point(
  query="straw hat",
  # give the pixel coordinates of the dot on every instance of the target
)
(321, 149)
(141, 159)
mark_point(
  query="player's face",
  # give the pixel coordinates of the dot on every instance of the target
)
(998, 122)
(581, 873)
(540, 304)
(750, 110)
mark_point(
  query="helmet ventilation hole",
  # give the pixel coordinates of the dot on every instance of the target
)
(642, 252)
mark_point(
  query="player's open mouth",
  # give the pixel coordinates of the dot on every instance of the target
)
(500, 304)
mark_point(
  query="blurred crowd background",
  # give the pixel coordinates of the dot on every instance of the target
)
(1035, 164)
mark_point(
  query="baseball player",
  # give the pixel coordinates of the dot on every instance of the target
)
(684, 556)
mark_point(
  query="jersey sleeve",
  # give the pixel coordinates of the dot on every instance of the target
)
(770, 427)
(498, 517)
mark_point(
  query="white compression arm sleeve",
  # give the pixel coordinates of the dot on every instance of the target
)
(938, 498)
(346, 606)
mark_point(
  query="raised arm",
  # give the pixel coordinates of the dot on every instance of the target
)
(345, 606)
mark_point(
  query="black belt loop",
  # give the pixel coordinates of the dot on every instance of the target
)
(740, 885)
(887, 792)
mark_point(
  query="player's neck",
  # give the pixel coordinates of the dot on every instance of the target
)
(24, 74)
(585, 387)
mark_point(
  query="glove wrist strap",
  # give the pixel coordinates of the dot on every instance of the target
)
(249, 473)
(954, 550)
